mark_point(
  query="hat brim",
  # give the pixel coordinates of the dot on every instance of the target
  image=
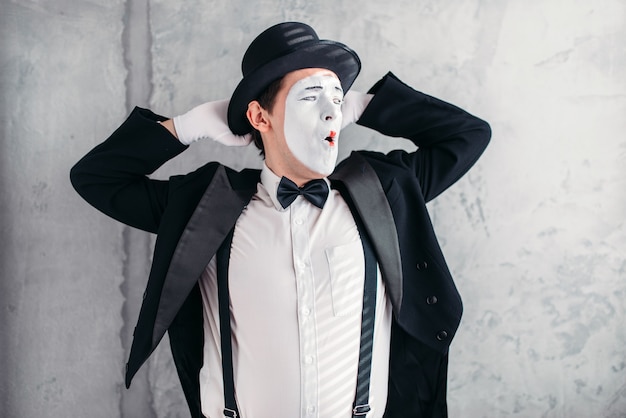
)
(334, 56)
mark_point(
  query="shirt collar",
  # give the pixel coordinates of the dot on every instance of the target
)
(270, 181)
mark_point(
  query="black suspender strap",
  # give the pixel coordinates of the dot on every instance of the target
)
(361, 401)
(223, 258)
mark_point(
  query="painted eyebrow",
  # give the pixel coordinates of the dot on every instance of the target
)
(317, 88)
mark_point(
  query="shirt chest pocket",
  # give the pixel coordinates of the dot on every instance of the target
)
(346, 268)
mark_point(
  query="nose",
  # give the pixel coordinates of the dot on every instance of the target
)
(331, 111)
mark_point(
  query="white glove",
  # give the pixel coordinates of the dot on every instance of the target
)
(209, 120)
(353, 106)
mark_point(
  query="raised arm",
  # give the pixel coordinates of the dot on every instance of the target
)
(449, 139)
(113, 177)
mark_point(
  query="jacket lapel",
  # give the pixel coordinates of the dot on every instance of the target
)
(213, 218)
(361, 182)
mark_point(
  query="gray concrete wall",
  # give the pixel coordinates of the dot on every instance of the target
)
(534, 235)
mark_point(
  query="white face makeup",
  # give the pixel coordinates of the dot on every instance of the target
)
(313, 121)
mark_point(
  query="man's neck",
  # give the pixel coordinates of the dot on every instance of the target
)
(300, 177)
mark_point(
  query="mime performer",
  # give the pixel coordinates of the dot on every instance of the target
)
(306, 288)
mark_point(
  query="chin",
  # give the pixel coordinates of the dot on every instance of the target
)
(326, 169)
(322, 167)
(323, 171)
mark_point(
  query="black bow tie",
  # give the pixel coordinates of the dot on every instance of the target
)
(315, 191)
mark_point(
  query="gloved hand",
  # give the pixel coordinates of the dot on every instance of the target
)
(353, 106)
(208, 120)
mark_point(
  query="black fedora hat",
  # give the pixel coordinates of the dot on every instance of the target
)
(279, 50)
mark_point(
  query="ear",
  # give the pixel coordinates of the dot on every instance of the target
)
(257, 116)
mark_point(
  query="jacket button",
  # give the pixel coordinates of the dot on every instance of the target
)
(422, 265)
(431, 300)
(442, 335)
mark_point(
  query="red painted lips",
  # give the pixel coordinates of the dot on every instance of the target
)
(331, 138)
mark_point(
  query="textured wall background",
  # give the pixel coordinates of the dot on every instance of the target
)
(535, 233)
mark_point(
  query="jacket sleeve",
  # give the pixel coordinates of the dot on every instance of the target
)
(449, 139)
(113, 177)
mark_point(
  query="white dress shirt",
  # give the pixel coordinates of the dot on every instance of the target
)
(296, 294)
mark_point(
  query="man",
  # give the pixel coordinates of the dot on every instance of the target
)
(336, 295)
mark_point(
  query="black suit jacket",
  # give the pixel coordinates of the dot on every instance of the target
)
(192, 214)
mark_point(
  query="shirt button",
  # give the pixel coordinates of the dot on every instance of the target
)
(301, 264)
(299, 221)
(310, 409)
(308, 359)
(306, 311)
